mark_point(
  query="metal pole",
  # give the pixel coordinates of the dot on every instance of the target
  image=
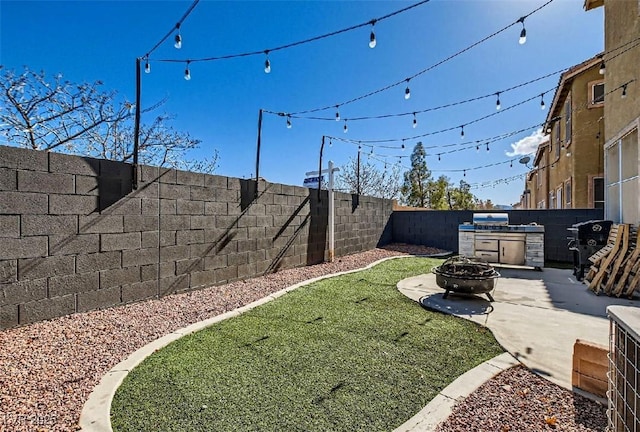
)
(331, 215)
(320, 171)
(136, 130)
(258, 150)
(358, 175)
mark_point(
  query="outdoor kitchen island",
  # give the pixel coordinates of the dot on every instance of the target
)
(491, 238)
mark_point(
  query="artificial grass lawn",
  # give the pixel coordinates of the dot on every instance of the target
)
(346, 353)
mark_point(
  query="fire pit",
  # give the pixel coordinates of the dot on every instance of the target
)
(467, 275)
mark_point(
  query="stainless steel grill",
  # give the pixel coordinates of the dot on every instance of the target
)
(493, 239)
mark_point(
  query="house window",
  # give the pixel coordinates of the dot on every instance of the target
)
(567, 193)
(557, 138)
(621, 185)
(598, 192)
(596, 93)
(567, 125)
(559, 197)
(541, 204)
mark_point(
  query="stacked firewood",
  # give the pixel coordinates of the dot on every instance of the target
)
(615, 269)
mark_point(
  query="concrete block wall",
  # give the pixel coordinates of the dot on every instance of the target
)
(439, 228)
(75, 236)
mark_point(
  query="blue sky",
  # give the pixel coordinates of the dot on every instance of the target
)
(90, 40)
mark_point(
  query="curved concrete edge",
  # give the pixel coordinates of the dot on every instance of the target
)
(442, 405)
(96, 412)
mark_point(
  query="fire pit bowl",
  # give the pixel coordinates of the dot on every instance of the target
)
(466, 275)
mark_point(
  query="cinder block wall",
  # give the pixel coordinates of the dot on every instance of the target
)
(74, 236)
(439, 228)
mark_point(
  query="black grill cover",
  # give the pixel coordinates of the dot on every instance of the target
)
(593, 232)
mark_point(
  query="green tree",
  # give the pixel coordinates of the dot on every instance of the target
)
(438, 193)
(462, 198)
(415, 189)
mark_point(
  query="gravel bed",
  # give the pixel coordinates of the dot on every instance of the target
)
(48, 369)
(519, 400)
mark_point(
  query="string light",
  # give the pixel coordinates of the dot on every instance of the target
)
(523, 33)
(462, 132)
(415, 121)
(147, 66)
(267, 63)
(498, 106)
(407, 91)
(187, 73)
(464, 173)
(372, 36)
(439, 63)
(289, 122)
(624, 91)
(337, 113)
(345, 127)
(542, 105)
(487, 146)
(178, 38)
(511, 164)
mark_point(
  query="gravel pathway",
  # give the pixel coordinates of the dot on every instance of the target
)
(48, 369)
(517, 400)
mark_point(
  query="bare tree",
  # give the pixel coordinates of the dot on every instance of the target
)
(45, 113)
(381, 183)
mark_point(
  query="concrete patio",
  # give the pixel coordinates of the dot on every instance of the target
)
(536, 316)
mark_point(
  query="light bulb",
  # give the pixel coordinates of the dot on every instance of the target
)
(624, 91)
(523, 36)
(371, 153)
(267, 66)
(487, 146)
(147, 67)
(330, 143)
(178, 40)
(372, 39)
(415, 121)
(345, 129)
(462, 132)
(407, 93)
(602, 68)
(187, 73)
(464, 173)
(337, 114)
(402, 147)
(289, 122)
(477, 148)
(438, 157)
(511, 164)
(498, 106)
(542, 105)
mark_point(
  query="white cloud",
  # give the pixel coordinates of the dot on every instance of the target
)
(527, 145)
